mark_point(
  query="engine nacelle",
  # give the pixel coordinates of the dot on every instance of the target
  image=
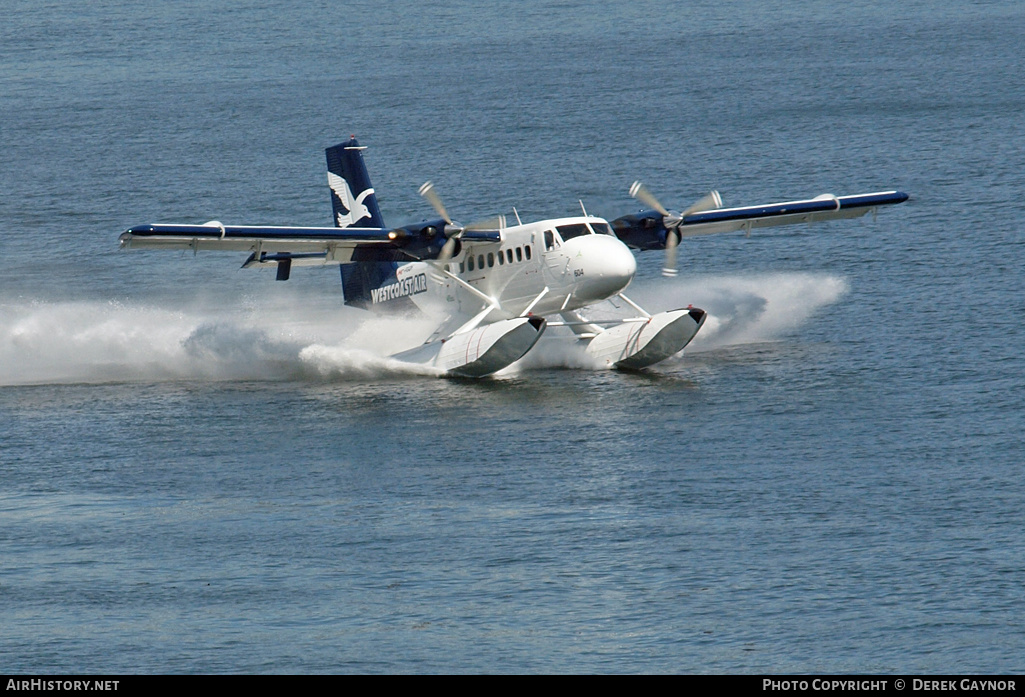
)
(421, 241)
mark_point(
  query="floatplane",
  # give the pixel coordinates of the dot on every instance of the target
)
(498, 285)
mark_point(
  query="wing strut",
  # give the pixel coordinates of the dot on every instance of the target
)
(634, 305)
(534, 302)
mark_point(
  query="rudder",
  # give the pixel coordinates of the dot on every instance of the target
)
(347, 173)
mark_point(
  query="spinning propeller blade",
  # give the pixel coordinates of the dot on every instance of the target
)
(428, 192)
(672, 221)
(709, 202)
(672, 240)
(454, 230)
(641, 193)
(448, 250)
(496, 223)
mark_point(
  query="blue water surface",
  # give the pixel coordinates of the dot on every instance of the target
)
(205, 471)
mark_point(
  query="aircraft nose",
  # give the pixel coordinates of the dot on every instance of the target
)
(607, 266)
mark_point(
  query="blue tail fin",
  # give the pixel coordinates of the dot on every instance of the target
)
(355, 204)
(352, 196)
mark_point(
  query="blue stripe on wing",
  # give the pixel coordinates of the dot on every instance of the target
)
(797, 207)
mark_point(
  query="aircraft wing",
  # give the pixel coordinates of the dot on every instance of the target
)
(647, 230)
(304, 246)
(328, 244)
(825, 207)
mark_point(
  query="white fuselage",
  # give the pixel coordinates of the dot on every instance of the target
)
(545, 267)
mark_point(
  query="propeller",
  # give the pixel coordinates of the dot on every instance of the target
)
(428, 192)
(454, 230)
(672, 221)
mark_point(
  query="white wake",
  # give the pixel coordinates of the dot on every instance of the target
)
(279, 339)
(744, 309)
(288, 337)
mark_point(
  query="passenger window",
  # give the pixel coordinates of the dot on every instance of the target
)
(480, 261)
(462, 267)
(527, 250)
(519, 254)
(508, 255)
(469, 263)
(491, 260)
(501, 258)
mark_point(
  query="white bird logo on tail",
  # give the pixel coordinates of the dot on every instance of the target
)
(354, 205)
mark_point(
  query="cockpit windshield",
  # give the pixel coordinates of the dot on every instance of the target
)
(568, 232)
